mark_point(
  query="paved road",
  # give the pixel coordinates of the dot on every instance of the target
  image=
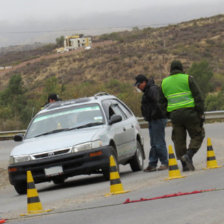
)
(190, 209)
(84, 196)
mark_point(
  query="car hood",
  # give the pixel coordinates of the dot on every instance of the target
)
(55, 141)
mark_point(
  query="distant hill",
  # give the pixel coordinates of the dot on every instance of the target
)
(28, 75)
(15, 48)
(148, 51)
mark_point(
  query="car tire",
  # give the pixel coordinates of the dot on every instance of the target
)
(21, 188)
(106, 171)
(137, 162)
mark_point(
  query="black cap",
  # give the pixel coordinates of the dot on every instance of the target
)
(53, 96)
(139, 79)
(176, 66)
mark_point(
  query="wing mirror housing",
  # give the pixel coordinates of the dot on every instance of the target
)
(115, 119)
(18, 137)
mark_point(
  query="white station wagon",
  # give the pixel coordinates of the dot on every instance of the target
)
(75, 137)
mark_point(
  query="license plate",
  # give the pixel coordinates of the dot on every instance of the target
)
(53, 171)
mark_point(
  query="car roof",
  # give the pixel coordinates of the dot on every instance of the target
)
(97, 98)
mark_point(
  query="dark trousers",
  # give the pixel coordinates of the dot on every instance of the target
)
(158, 149)
(186, 121)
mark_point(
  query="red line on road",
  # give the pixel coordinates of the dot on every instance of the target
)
(168, 196)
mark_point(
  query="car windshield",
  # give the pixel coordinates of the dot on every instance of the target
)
(65, 119)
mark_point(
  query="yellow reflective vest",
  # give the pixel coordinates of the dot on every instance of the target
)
(177, 92)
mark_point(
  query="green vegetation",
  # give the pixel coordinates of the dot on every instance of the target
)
(215, 102)
(15, 111)
(60, 41)
(17, 107)
(202, 73)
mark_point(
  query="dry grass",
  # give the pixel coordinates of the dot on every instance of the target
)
(147, 51)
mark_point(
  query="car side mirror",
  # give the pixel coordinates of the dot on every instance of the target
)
(115, 119)
(18, 137)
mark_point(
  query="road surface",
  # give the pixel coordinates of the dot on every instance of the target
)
(82, 199)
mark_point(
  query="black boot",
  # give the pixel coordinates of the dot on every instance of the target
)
(184, 165)
(191, 153)
(187, 158)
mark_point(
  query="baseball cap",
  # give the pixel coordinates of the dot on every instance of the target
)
(139, 79)
(176, 66)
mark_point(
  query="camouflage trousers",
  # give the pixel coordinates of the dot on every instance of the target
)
(183, 122)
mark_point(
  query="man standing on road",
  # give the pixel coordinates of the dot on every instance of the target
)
(182, 99)
(157, 122)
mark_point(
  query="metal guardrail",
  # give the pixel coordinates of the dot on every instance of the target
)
(5, 135)
(219, 114)
(209, 115)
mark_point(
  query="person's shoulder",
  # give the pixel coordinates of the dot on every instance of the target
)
(154, 89)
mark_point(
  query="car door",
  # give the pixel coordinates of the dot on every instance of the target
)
(119, 131)
(116, 131)
(129, 126)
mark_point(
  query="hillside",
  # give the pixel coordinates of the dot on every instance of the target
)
(111, 65)
(148, 51)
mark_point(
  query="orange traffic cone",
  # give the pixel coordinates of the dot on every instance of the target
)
(33, 202)
(211, 161)
(2, 220)
(174, 171)
(115, 182)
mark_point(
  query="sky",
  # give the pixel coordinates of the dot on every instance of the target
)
(23, 21)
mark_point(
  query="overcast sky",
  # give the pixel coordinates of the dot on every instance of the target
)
(47, 16)
(15, 11)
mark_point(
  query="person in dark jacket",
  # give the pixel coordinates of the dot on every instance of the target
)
(181, 98)
(156, 122)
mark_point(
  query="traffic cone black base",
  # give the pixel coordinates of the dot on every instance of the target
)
(33, 202)
(174, 171)
(115, 182)
(211, 160)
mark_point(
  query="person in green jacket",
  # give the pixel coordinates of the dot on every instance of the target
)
(181, 98)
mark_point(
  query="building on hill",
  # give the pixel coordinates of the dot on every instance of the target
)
(77, 41)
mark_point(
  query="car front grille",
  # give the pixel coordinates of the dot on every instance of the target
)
(51, 154)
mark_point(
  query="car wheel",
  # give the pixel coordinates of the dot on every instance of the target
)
(106, 171)
(137, 162)
(21, 188)
(59, 180)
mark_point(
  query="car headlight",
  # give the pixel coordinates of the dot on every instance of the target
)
(18, 159)
(86, 146)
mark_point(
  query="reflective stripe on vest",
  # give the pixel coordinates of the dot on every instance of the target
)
(177, 91)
